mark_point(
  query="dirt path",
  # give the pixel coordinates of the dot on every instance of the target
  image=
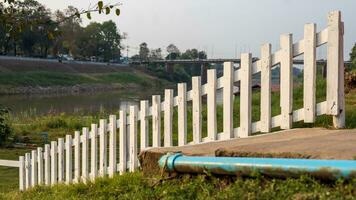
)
(315, 143)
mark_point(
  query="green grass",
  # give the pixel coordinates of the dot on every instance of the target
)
(45, 78)
(137, 186)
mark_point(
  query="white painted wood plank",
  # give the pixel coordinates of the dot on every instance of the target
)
(246, 95)
(33, 168)
(60, 160)
(333, 62)
(112, 145)
(22, 177)
(69, 159)
(212, 116)
(123, 141)
(144, 123)
(94, 152)
(47, 164)
(321, 108)
(85, 156)
(156, 120)
(228, 104)
(9, 163)
(133, 139)
(197, 109)
(168, 118)
(76, 156)
(309, 82)
(182, 114)
(322, 37)
(28, 170)
(276, 121)
(40, 179)
(298, 48)
(286, 90)
(266, 83)
(103, 148)
(298, 115)
(54, 165)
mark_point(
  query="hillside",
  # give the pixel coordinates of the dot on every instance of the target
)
(31, 76)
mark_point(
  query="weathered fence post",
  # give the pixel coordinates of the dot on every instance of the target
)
(123, 142)
(168, 118)
(228, 105)
(40, 166)
(33, 167)
(309, 92)
(60, 160)
(144, 124)
(286, 89)
(266, 83)
(103, 147)
(54, 166)
(27, 170)
(156, 120)
(77, 156)
(47, 167)
(211, 96)
(182, 114)
(112, 145)
(69, 175)
(133, 138)
(94, 152)
(335, 70)
(22, 177)
(196, 109)
(85, 156)
(246, 95)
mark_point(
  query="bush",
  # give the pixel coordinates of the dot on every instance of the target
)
(5, 129)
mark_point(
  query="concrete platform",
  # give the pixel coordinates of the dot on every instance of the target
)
(315, 143)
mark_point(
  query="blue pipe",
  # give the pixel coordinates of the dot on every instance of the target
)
(275, 167)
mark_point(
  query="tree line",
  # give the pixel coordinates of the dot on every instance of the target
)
(34, 30)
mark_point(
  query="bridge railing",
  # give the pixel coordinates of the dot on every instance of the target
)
(114, 144)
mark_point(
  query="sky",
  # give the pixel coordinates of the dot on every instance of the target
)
(222, 28)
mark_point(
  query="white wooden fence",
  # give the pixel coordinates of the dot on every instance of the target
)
(92, 152)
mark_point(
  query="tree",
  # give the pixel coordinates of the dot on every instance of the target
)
(5, 129)
(144, 51)
(156, 54)
(111, 40)
(353, 57)
(173, 52)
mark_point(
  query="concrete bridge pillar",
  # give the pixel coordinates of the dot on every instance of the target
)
(169, 68)
(203, 72)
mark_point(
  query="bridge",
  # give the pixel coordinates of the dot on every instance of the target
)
(204, 63)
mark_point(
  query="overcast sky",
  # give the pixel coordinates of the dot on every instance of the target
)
(223, 28)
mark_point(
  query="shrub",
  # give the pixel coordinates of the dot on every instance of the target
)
(5, 129)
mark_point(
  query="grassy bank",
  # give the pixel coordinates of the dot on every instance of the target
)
(137, 186)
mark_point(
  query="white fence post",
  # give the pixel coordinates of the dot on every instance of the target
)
(156, 120)
(94, 152)
(33, 167)
(228, 104)
(85, 156)
(77, 156)
(196, 109)
(144, 124)
(103, 147)
(133, 138)
(28, 170)
(182, 114)
(54, 169)
(47, 167)
(286, 81)
(69, 174)
(246, 95)
(60, 160)
(123, 142)
(266, 82)
(40, 165)
(22, 177)
(168, 118)
(211, 98)
(112, 145)
(309, 73)
(335, 70)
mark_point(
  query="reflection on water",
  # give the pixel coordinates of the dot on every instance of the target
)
(83, 103)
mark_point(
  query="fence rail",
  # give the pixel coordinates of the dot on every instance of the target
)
(113, 145)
